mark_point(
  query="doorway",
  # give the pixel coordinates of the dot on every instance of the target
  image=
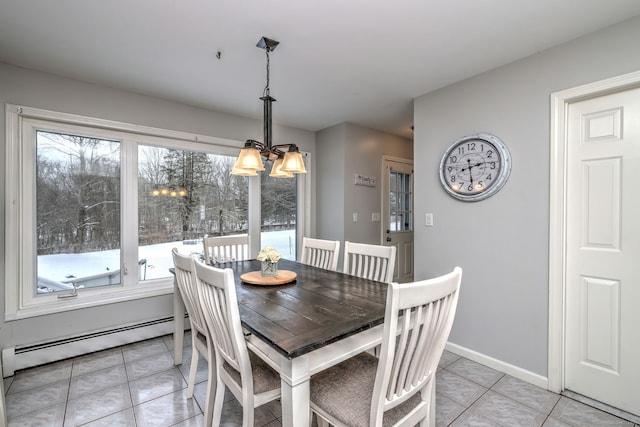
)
(397, 214)
(594, 349)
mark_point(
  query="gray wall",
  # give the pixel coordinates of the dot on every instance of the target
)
(502, 243)
(364, 149)
(343, 151)
(38, 90)
(330, 163)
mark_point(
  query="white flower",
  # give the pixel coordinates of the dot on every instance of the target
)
(269, 254)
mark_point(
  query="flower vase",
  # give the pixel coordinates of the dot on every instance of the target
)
(269, 269)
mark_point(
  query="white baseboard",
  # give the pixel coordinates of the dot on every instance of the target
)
(16, 358)
(498, 365)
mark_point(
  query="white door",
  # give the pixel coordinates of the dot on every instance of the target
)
(602, 359)
(397, 214)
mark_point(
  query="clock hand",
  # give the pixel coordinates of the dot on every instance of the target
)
(470, 174)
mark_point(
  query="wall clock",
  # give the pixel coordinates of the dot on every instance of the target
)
(475, 167)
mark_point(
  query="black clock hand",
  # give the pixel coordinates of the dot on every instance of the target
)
(470, 175)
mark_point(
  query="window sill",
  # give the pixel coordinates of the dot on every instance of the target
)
(93, 299)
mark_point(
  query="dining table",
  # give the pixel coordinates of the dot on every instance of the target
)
(303, 327)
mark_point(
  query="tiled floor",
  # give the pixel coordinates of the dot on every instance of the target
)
(137, 385)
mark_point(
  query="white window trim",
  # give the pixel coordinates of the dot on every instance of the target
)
(19, 300)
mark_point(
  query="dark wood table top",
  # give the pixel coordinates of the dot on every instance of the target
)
(319, 308)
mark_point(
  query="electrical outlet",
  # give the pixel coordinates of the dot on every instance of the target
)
(375, 216)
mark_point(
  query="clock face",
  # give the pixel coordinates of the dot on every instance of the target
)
(475, 167)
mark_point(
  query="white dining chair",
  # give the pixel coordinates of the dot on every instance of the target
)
(226, 248)
(185, 278)
(374, 262)
(398, 389)
(251, 380)
(320, 253)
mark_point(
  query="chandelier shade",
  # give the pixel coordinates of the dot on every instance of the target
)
(276, 169)
(236, 170)
(286, 158)
(250, 158)
(293, 162)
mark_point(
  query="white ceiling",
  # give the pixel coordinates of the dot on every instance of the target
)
(359, 61)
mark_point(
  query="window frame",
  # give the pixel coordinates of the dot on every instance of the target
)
(21, 300)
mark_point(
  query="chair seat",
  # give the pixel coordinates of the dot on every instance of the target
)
(264, 377)
(344, 391)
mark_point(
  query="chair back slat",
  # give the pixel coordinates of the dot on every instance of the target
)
(374, 262)
(226, 248)
(218, 297)
(216, 307)
(418, 320)
(186, 281)
(320, 253)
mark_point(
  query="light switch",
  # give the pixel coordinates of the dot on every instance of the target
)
(375, 216)
(428, 219)
(355, 217)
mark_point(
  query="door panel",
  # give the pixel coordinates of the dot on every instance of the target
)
(602, 359)
(398, 215)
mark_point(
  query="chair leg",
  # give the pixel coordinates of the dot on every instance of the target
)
(430, 419)
(210, 397)
(247, 415)
(192, 370)
(217, 406)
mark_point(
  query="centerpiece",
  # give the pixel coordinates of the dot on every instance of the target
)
(269, 256)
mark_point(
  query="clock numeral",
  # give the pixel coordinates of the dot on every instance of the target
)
(492, 165)
(453, 178)
(489, 176)
(471, 146)
(489, 153)
(480, 185)
(470, 187)
(453, 159)
(460, 184)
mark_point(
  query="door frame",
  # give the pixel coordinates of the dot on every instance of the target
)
(557, 213)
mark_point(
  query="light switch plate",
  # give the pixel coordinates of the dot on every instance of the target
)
(428, 219)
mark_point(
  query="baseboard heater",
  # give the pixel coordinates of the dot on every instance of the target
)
(16, 358)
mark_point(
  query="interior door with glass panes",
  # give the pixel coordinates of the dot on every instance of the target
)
(397, 211)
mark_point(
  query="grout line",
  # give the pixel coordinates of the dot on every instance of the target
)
(601, 406)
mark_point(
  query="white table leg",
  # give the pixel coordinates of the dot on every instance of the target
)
(295, 392)
(178, 325)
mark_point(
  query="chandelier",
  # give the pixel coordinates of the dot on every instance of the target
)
(286, 158)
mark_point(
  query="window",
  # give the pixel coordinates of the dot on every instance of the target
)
(93, 208)
(401, 201)
(77, 211)
(182, 196)
(279, 213)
